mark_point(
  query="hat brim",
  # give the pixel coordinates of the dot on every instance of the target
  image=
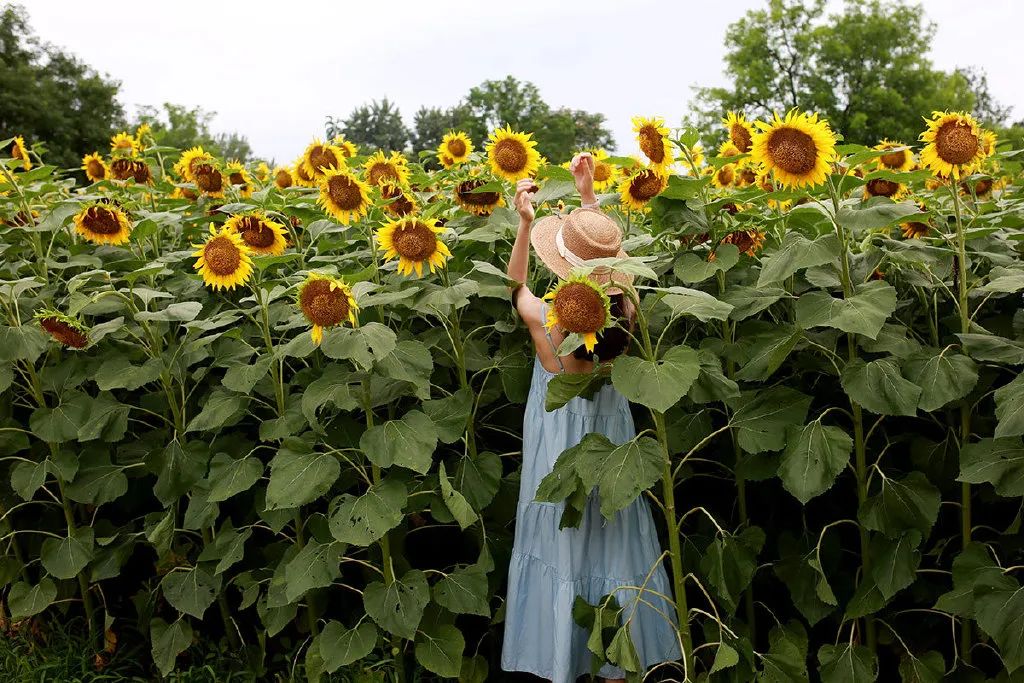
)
(542, 237)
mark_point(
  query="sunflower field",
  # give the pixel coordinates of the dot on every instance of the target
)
(281, 408)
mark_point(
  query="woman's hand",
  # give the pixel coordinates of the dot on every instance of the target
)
(582, 169)
(524, 198)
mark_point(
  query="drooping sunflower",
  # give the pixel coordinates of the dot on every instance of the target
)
(953, 144)
(124, 145)
(209, 179)
(724, 176)
(283, 178)
(103, 223)
(798, 149)
(63, 328)
(640, 187)
(381, 169)
(95, 167)
(901, 160)
(579, 305)
(239, 178)
(414, 241)
(456, 145)
(915, 229)
(302, 177)
(477, 203)
(741, 133)
(326, 302)
(399, 202)
(190, 160)
(319, 156)
(748, 242)
(223, 260)
(652, 136)
(348, 148)
(19, 151)
(343, 195)
(880, 187)
(141, 132)
(262, 235)
(512, 155)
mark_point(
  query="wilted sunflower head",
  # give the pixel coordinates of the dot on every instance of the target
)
(262, 235)
(223, 260)
(209, 179)
(880, 187)
(94, 166)
(63, 328)
(953, 144)
(320, 156)
(302, 176)
(343, 195)
(190, 160)
(381, 169)
(477, 203)
(652, 136)
(124, 145)
(283, 177)
(741, 134)
(325, 302)
(798, 149)
(399, 202)
(580, 306)
(512, 155)
(239, 178)
(456, 145)
(414, 241)
(19, 151)
(896, 160)
(103, 223)
(914, 229)
(748, 242)
(724, 176)
(642, 186)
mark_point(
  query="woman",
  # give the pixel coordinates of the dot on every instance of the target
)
(550, 567)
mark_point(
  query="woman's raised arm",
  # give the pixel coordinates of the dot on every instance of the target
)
(519, 261)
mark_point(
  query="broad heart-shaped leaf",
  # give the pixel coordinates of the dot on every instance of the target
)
(864, 313)
(760, 417)
(332, 386)
(409, 442)
(362, 345)
(847, 663)
(26, 600)
(398, 608)
(439, 649)
(786, 660)
(479, 478)
(902, 505)
(999, 462)
(178, 466)
(182, 311)
(729, 564)
(228, 548)
(877, 213)
(815, 455)
(879, 387)
(999, 610)
(450, 414)
(220, 407)
(894, 562)
(928, 668)
(229, 476)
(298, 476)
(748, 301)
(243, 377)
(992, 348)
(361, 520)
(62, 422)
(97, 481)
(972, 567)
(701, 305)
(943, 377)
(621, 472)
(64, 558)
(464, 591)
(1010, 408)
(796, 253)
(691, 268)
(712, 384)
(656, 384)
(765, 351)
(410, 362)
(340, 646)
(566, 386)
(315, 566)
(27, 477)
(191, 591)
(456, 503)
(801, 579)
(168, 641)
(118, 373)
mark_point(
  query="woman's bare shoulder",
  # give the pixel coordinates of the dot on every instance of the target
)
(528, 306)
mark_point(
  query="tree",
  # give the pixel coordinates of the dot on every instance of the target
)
(864, 69)
(431, 123)
(377, 125)
(178, 126)
(51, 96)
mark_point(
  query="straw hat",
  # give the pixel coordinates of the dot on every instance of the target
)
(565, 241)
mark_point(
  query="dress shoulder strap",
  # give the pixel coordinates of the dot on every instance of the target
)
(547, 333)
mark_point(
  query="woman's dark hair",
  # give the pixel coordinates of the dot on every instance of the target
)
(613, 341)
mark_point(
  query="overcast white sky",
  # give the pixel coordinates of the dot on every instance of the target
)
(273, 70)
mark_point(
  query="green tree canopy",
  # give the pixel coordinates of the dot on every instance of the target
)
(51, 97)
(373, 126)
(864, 69)
(178, 126)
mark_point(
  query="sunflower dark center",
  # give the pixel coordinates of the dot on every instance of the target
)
(915, 229)
(345, 193)
(956, 143)
(283, 179)
(879, 187)
(321, 158)
(96, 169)
(894, 159)
(236, 178)
(122, 169)
(982, 186)
(222, 256)
(300, 171)
(510, 154)
(740, 137)
(602, 172)
(792, 150)
(467, 196)
(255, 232)
(645, 185)
(579, 308)
(64, 333)
(209, 179)
(414, 240)
(457, 147)
(101, 221)
(651, 144)
(323, 306)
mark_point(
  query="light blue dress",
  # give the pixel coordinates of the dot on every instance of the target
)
(549, 567)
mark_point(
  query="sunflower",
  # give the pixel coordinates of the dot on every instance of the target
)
(727, 149)
(747, 241)
(326, 302)
(184, 193)
(765, 182)
(318, 157)
(741, 133)
(798, 150)
(124, 145)
(880, 187)
(238, 176)
(605, 174)
(262, 172)
(652, 135)
(696, 154)
(283, 177)
(415, 242)
(141, 132)
(982, 187)
(103, 223)
(263, 236)
(512, 154)
(223, 260)
(445, 160)
(988, 142)
(400, 202)
(478, 203)
(456, 145)
(640, 187)
(18, 151)
(209, 179)
(381, 169)
(95, 168)
(954, 144)
(724, 177)
(343, 195)
(63, 328)
(902, 160)
(915, 229)
(347, 147)
(190, 160)
(301, 176)
(580, 306)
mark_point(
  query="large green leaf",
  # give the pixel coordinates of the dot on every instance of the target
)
(786, 659)
(1010, 408)
(847, 663)
(999, 462)
(928, 668)
(399, 607)
(974, 566)
(748, 301)
(230, 476)
(456, 503)
(796, 253)
(989, 347)
(315, 566)
(178, 466)
(815, 455)
(760, 418)
(363, 345)
(167, 641)
(361, 520)
(729, 563)
(191, 591)
(220, 407)
(97, 481)
(298, 476)
(332, 386)
(409, 442)
(700, 305)
(864, 313)
(464, 591)
(875, 214)
(943, 377)
(764, 351)
(894, 562)
(999, 610)
(26, 600)
(450, 414)
(478, 478)
(621, 472)
(903, 504)
(879, 387)
(340, 646)
(64, 558)
(657, 384)
(691, 268)
(439, 649)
